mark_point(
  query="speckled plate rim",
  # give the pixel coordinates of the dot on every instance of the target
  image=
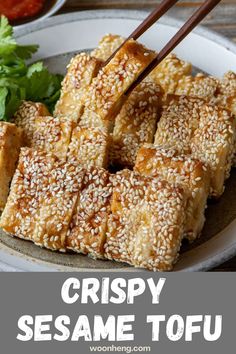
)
(11, 260)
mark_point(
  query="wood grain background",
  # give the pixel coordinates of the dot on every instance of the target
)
(222, 19)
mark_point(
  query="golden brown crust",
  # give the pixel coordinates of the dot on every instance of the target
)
(136, 123)
(43, 195)
(199, 86)
(107, 46)
(25, 117)
(106, 93)
(81, 70)
(189, 173)
(11, 140)
(53, 135)
(169, 72)
(89, 146)
(146, 225)
(87, 231)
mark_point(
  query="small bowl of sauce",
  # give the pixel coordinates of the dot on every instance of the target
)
(21, 12)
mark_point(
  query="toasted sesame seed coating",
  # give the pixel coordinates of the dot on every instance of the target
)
(189, 173)
(213, 143)
(107, 46)
(169, 72)
(25, 117)
(11, 140)
(199, 86)
(136, 123)
(203, 130)
(53, 135)
(89, 146)
(106, 93)
(146, 225)
(87, 231)
(43, 195)
(81, 70)
(180, 117)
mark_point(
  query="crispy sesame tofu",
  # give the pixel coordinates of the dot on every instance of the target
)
(136, 123)
(25, 117)
(206, 131)
(89, 146)
(213, 143)
(169, 72)
(106, 93)
(10, 144)
(53, 135)
(81, 70)
(27, 192)
(42, 199)
(107, 46)
(199, 86)
(226, 94)
(189, 173)
(58, 205)
(180, 117)
(146, 225)
(87, 231)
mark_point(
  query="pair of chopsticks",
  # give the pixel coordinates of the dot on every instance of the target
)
(191, 23)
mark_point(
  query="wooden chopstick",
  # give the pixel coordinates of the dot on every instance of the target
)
(192, 22)
(159, 11)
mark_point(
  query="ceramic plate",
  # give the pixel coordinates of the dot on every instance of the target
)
(60, 38)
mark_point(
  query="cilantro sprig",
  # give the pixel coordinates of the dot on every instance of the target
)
(20, 81)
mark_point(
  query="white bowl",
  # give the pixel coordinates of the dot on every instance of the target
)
(52, 10)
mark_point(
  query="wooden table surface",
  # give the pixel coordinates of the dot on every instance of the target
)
(222, 19)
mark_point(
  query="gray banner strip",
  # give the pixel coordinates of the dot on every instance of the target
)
(119, 312)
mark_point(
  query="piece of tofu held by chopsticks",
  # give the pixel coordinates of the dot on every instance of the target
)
(42, 199)
(87, 231)
(81, 70)
(104, 98)
(25, 118)
(145, 228)
(11, 140)
(206, 131)
(136, 123)
(167, 73)
(189, 173)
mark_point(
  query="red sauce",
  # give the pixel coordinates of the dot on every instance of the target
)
(20, 9)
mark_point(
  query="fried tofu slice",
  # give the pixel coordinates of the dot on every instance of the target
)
(11, 140)
(169, 72)
(89, 147)
(81, 70)
(136, 123)
(105, 95)
(213, 143)
(199, 86)
(42, 199)
(27, 193)
(226, 94)
(189, 173)
(180, 118)
(25, 117)
(53, 135)
(58, 205)
(107, 46)
(206, 131)
(145, 228)
(87, 231)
